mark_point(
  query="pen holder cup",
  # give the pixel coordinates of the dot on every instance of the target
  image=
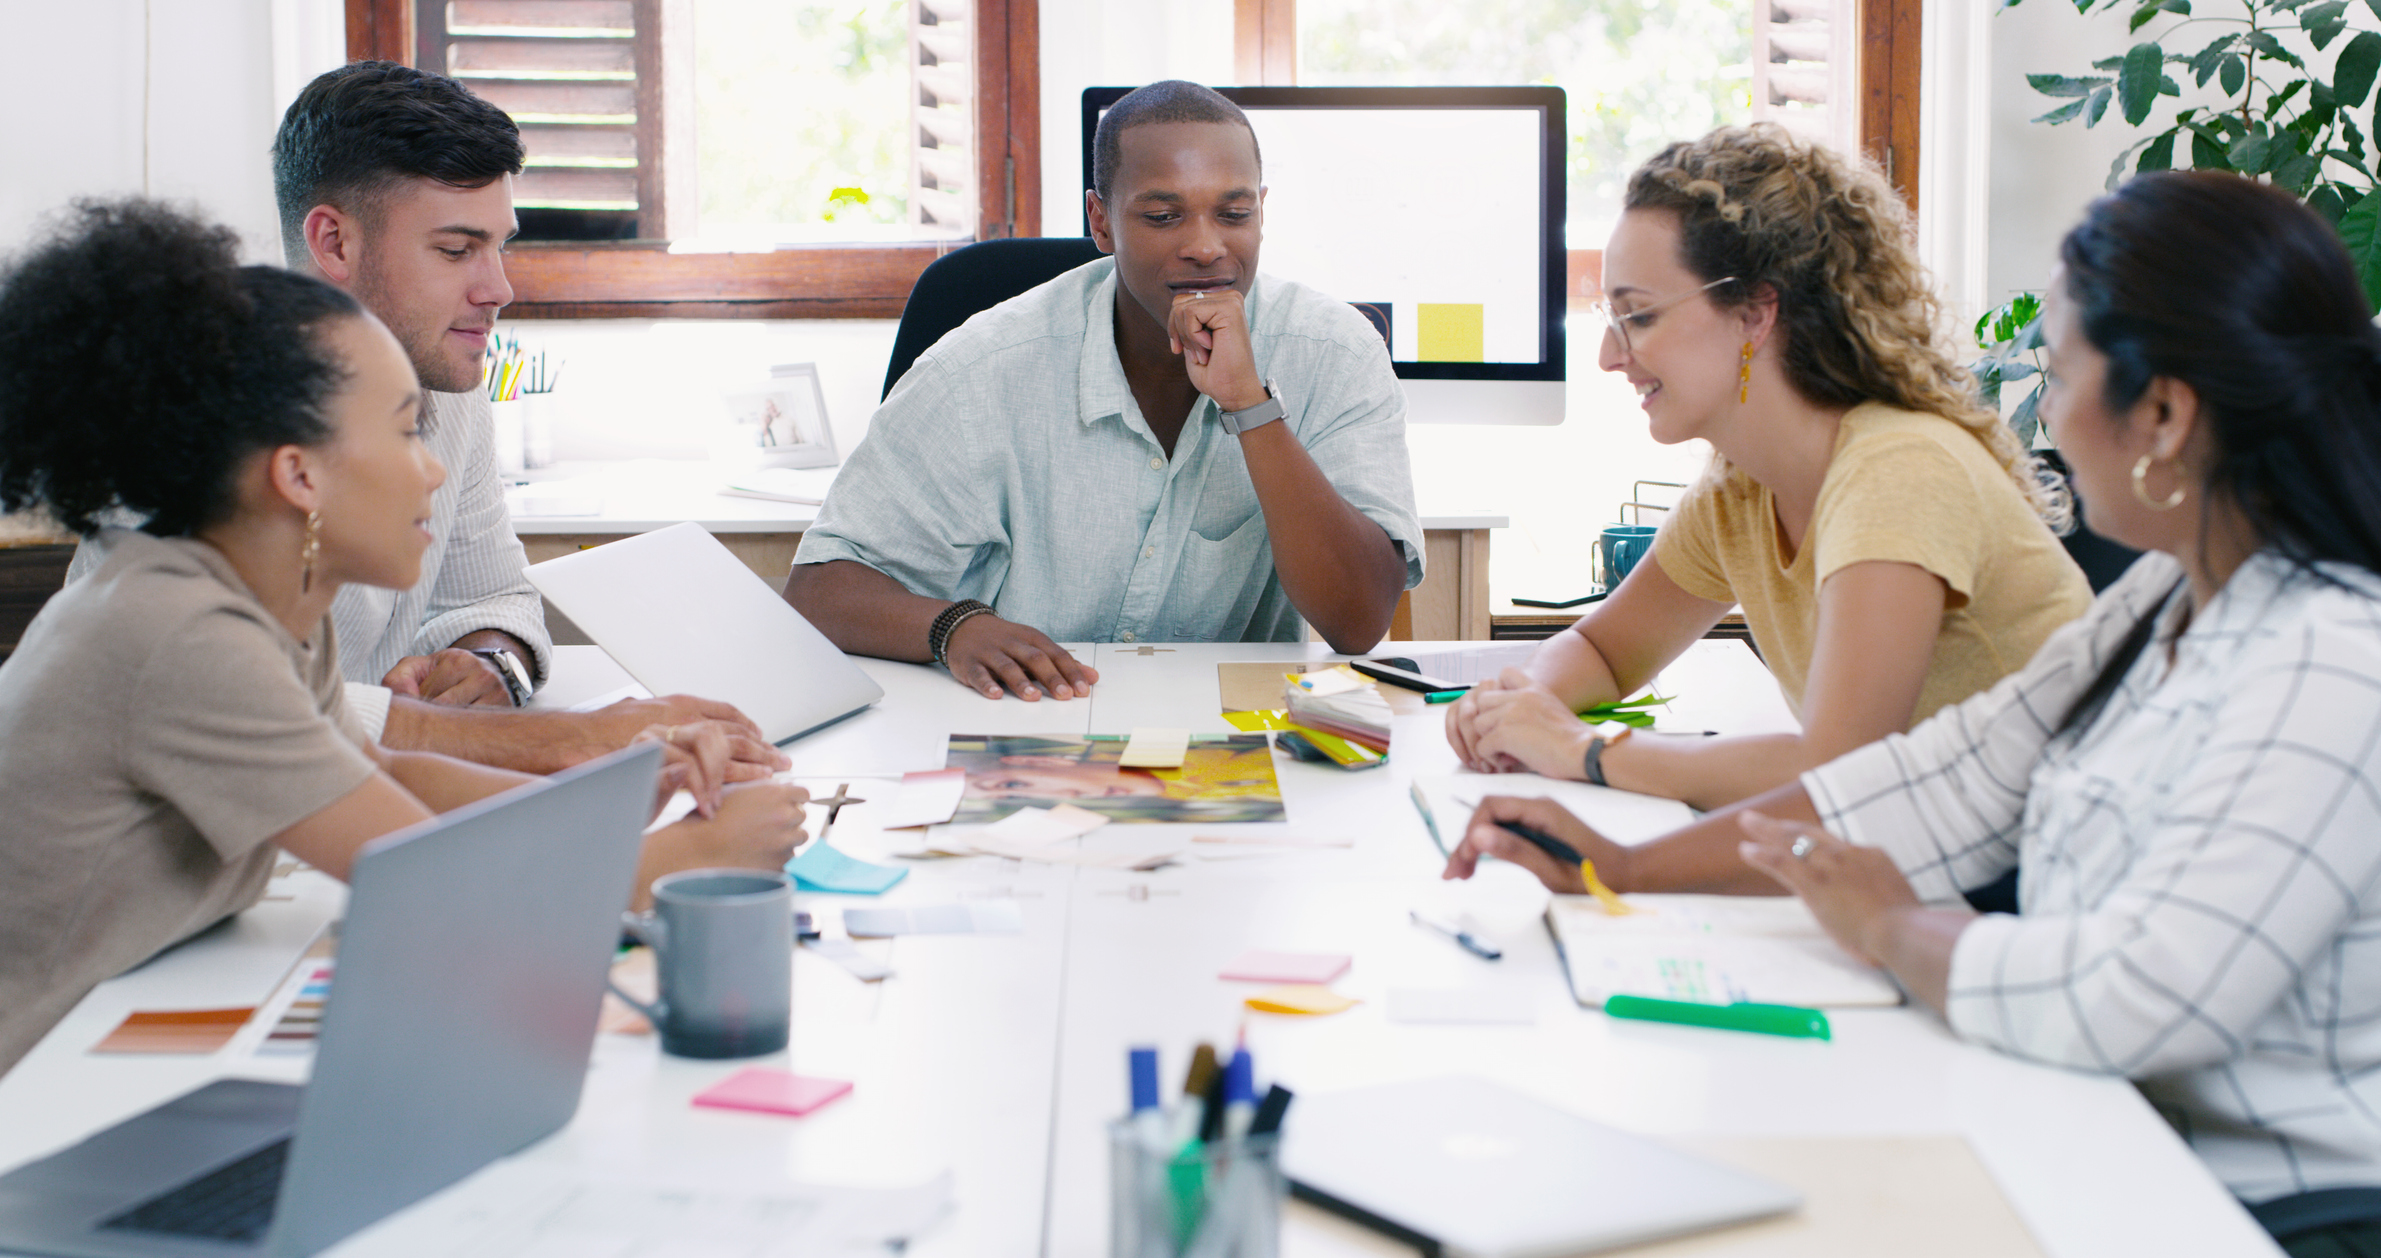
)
(1220, 1200)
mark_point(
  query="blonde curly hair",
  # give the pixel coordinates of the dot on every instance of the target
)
(1833, 240)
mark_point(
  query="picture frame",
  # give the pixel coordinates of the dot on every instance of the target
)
(783, 422)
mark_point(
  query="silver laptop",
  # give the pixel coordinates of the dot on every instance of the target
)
(1481, 1171)
(684, 616)
(471, 971)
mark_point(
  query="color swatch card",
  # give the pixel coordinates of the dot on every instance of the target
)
(1285, 967)
(301, 1023)
(821, 867)
(772, 1092)
(175, 1031)
(926, 798)
(979, 917)
(1156, 749)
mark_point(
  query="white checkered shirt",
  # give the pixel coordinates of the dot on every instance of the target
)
(2198, 904)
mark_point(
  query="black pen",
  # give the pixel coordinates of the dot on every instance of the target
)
(1543, 841)
(1470, 943)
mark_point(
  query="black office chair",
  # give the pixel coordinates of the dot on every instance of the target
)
(974, 278)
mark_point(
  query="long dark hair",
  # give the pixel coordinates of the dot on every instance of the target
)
(2244, 294)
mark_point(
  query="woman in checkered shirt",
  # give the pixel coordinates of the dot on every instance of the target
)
(2188, 778)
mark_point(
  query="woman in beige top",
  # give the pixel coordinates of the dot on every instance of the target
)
(1888, 539)
(172, 720)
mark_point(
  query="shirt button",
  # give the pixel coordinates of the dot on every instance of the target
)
(1149, 552)
(1157, 465)
(1126, 636)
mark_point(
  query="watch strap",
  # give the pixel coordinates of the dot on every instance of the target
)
(1263, 413)
(508, 666)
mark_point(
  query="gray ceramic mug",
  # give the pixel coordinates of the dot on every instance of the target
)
(723, 949)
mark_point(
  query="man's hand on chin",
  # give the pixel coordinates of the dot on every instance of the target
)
(454, 677)
(1209, 328)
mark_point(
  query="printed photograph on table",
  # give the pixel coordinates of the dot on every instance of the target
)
(1224, 778)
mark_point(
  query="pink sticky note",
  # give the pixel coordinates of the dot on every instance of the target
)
(1286, 967)
(771, 1092)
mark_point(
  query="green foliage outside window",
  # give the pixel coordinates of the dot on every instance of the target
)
(801, 112)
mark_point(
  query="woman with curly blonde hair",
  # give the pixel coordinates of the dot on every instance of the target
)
(1889, 539)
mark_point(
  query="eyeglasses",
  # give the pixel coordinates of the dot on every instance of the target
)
(1618, 321)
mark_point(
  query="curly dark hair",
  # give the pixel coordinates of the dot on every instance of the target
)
(355, 130)
(1170, 100)
(140, 364)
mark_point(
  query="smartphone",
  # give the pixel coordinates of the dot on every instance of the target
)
(1397, 670)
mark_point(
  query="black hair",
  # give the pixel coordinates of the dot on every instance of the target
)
(358, 129)
(140, 364)
(1170, 100)
(2239, 291)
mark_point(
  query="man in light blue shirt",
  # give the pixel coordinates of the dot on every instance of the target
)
(1156, 447)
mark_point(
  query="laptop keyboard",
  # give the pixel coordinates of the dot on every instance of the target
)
(231, 1203)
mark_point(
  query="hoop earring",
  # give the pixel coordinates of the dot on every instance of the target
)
(2141, 491)
(311, 551)
(1744, 376)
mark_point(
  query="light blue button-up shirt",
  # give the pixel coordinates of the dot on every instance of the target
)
(1012, 465)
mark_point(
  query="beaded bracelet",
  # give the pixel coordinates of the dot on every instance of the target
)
(938, 635)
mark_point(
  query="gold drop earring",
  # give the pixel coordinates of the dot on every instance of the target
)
(310, 551)
(1744, 376)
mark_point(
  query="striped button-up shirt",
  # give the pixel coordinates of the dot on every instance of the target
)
(2199, 909)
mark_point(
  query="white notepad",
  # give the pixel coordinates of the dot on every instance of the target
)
(1712, 949)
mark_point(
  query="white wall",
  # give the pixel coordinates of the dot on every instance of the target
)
(1115, 43)
(171, 98)
(2043, 176)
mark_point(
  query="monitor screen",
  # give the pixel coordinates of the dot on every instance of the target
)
(1437, 211)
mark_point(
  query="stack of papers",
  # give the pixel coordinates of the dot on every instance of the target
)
(1343, 702)
(783, 484)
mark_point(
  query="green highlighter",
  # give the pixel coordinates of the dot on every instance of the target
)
(1742, 1016)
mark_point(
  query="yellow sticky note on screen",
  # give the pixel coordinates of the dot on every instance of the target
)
(1451, 332)
(1300, 998)
(1156, 749)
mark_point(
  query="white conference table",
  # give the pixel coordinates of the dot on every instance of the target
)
(1001, 1057)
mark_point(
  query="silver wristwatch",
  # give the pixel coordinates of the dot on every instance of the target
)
(1263, 413)
(508, 666)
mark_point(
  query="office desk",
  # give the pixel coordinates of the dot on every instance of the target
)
(1000, 1057)
(609, 501)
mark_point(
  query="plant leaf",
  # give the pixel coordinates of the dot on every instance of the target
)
(2360, 230)
(2159, 155)
(2352, 76)
(2207, 154)
(2064, 85)
(2204, 61)
(2137, 83)
(2235, 73)
(2249, 156)
(2327, 202)
(2025, 420)
(2266, 44)
(2096, 104)
(2064, 113)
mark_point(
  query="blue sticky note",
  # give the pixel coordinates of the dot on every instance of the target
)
(822, 868)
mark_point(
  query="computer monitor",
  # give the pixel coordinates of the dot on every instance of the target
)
(1438, 211)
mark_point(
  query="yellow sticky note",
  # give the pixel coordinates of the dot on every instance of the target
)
(1156, 749)
(1301, 998)
(1252, 722)
(1451, 332)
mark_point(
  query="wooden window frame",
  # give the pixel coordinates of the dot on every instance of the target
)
(644, 280)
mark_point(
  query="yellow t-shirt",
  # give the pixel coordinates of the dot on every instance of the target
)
(1904, 487)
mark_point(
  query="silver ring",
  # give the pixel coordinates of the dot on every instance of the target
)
(1802, 847)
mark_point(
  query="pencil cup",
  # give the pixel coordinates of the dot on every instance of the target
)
(537, 429)
(510, 454)
(723, 947)
(1219, 1200)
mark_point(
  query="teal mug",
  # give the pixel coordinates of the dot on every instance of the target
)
(1619, 549)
